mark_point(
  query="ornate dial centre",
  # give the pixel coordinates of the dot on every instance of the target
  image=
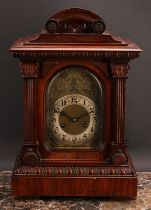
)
(74, 119)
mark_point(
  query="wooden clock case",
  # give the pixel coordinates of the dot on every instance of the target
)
(74, 37)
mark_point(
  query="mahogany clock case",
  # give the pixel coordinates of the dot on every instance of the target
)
(74, 41)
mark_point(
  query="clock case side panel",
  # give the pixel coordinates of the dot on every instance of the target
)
(74, 156)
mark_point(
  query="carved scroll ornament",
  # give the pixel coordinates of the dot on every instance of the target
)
(75, 21)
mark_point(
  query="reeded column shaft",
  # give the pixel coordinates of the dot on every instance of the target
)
(119, 74)
(30, 72)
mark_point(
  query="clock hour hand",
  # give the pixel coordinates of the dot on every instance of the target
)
(73, 119)
(65, 114)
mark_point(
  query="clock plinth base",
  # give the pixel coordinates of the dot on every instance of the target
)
(107, 181)
(70, 186)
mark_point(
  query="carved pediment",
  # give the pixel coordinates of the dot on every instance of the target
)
(75, 20)
(75, 26)
(76, 33)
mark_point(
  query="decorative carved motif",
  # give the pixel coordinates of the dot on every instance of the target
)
(119, 70)
(76, 54)
(118, 158)
(75, 171)
(52, 26)
(31, 157)
(29, 69)
(75, 28)
(99, 27)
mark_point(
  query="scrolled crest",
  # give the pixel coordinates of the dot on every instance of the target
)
(75, 20)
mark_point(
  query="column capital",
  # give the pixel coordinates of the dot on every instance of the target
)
(30, 70)
(119, 70)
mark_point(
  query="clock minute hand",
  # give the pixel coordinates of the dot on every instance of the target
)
(82, 115)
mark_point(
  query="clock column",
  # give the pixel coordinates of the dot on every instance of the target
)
(30, 73)
(119, 151)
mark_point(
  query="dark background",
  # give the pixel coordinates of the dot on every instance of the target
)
(126, 18)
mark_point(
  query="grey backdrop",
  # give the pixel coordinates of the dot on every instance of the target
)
(126, 18)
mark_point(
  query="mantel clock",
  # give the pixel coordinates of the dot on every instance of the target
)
(74, 75)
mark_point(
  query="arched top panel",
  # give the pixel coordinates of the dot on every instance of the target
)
(75, 12)
(75, 20)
